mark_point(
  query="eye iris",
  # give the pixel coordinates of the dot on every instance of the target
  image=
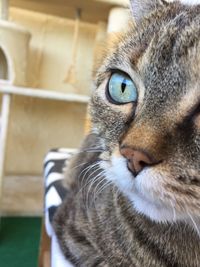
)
(122, 89)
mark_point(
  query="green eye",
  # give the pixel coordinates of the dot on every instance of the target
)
(121, 89)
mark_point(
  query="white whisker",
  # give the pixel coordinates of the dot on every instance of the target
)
(173, 210)
(86, 170)
(93, 181)
(194, 223)
(103, 187)
(85, 178)
(79, 165)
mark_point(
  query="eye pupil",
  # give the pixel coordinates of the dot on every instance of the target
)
(123, 86)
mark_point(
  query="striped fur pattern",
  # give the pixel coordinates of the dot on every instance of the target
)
(113, 216)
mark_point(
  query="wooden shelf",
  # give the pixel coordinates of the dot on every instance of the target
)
(45, 94)
(92, 10)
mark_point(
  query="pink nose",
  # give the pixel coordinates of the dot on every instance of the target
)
(137, 160)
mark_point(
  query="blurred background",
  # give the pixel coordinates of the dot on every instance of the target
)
(48, 49)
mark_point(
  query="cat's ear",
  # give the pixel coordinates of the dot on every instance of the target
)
(141, 8)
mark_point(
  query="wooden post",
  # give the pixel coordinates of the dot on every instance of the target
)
(45, 248)
(4, 9)
(118, 19)
(5, 110)
(71, 73)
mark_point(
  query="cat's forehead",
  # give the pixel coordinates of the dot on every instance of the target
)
(164, 51)
(168, 35)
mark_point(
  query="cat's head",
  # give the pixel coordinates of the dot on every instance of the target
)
(146, 109)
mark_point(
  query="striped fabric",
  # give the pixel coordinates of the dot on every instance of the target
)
(54, 164)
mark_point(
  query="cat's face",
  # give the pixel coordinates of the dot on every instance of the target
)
(146, 109)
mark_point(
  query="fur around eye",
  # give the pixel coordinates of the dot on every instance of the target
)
(121, 89)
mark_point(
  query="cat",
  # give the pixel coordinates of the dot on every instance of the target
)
(134, 186)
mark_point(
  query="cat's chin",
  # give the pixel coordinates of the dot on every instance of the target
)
(155, 212)
(162, 214)
(146, 199)
(141, 191)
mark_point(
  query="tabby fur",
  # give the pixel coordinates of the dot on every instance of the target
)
(111, 217)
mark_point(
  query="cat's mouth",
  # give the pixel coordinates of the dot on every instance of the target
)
(134, 172)
(154, 191)
(145, 190)
(142, 190)
(130, 168)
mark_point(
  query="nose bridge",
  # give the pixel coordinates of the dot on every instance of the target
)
(145, 137)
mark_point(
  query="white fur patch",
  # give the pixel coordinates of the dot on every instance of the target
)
(117, 172)
(186, 2)
(190, 2)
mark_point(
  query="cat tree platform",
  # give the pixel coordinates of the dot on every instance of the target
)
(93, 11)
(14, 45)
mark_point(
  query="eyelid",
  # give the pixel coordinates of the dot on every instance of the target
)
(113, 71)
(192, 114)
(197, 110)
(196, 116)
(194, 111)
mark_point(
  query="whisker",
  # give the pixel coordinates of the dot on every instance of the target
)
(103, 179)
(174, 211)
(79, 165)
(82, 187)
(88, 178)
(93, 181)
(100, 190)
(194, 223)
(91, 151)
(86, 170)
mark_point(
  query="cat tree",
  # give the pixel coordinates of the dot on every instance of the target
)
(14, 41)
(15, 46)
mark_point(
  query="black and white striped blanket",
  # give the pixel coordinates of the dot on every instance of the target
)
(54, 164)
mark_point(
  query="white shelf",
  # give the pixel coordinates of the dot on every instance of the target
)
(124, 3)
(41, 93)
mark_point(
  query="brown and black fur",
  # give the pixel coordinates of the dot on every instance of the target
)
(101, 227)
